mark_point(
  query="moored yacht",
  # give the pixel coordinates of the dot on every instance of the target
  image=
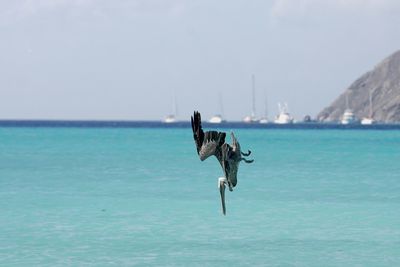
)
(216, 119)
(264, 119)
(348, 117)
(283, 117)
(170, 119)
(250, 119)
(369, 120)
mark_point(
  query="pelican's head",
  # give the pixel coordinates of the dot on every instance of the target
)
(222, 182)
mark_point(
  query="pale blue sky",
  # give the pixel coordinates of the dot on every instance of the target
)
(87, 59)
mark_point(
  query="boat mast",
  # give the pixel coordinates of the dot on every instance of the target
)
(370, 103)
(253, 110)
(265, 104)
(174, 105)
(221, 106)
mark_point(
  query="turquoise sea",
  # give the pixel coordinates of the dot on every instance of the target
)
(141, 197)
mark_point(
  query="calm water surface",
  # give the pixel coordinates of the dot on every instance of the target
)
(141, 197)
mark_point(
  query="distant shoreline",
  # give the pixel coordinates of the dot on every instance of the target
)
(184, 124)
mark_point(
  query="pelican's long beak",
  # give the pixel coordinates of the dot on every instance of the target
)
(221, 186)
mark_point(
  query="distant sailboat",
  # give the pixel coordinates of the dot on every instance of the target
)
(252, 118)
(171, 118)
(218, 118)
(264, 119)
(369, 120)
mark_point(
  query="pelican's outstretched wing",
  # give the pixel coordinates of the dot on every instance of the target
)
(207, 143)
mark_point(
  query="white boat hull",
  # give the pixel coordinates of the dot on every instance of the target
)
(250, 119)
(216, 119)
(283, 119)
(170, 119)
(367, 121)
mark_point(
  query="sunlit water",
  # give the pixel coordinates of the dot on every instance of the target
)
(141, 197)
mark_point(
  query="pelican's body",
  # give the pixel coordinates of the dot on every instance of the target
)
(212, 143)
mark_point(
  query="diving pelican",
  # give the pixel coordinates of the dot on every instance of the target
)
(229, 156)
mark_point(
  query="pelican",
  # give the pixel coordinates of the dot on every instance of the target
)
(212, 143)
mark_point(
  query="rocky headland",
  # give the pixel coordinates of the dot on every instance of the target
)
(383, 83)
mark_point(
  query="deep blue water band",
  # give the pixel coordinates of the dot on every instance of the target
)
(186, 124)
